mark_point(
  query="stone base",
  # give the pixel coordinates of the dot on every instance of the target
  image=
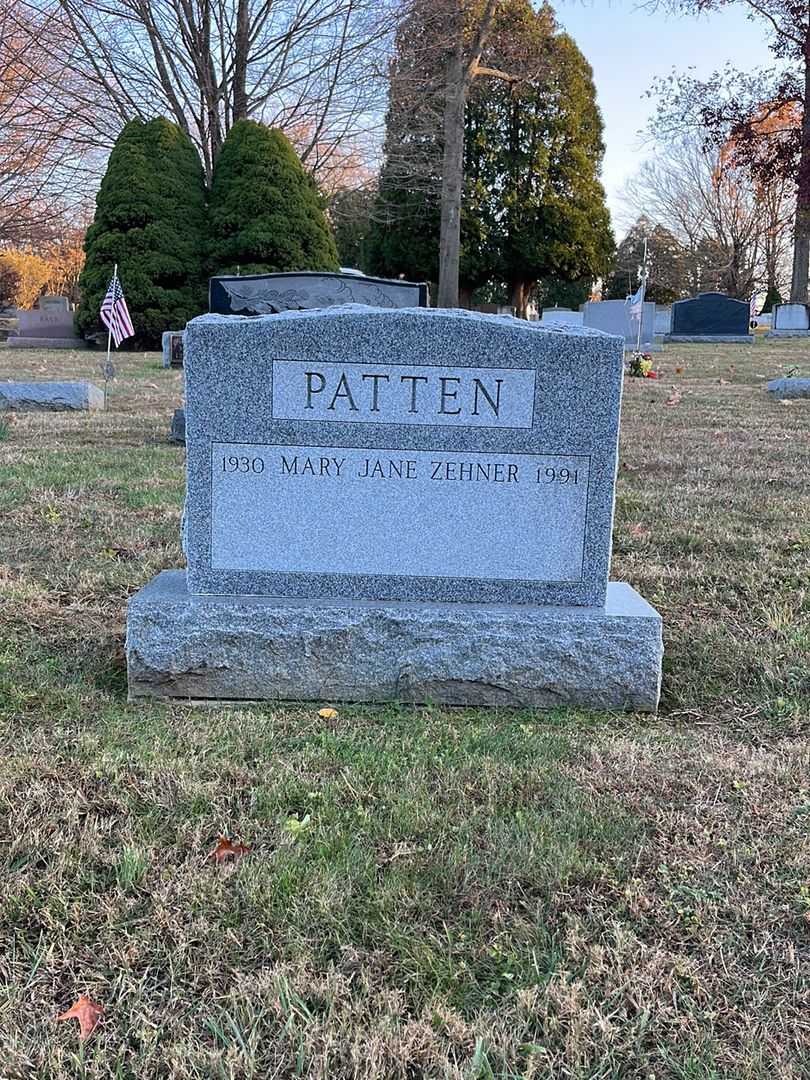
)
(710, 339)
(787, 333)
(256, 648)
(793, 387)
(46, 343)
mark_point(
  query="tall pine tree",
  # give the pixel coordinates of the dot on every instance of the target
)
(265, 212)
(150, 220)
(533, 208)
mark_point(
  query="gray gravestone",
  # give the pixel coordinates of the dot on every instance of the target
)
(172, 343)
(267, 294)
(53, 303)
(561, 317)
(46, 327)
(410, 505)
(50, 396)
(613, 317)
(711, 317)
(790, 320)
(789, 388)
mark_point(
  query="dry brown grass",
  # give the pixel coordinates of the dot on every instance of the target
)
(474, 894)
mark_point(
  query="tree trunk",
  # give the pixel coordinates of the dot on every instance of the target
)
(801, 235)
(452, 179)
(519, 298)
(465, 295)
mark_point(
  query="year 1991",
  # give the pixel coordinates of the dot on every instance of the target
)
(234, 464)
(557, 476)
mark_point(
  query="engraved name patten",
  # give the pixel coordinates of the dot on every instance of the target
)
(403, 394)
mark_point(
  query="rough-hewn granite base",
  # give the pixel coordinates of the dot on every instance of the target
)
(710, 339)
(46, 343)
(50, 396)
(249, 648)
(789, 388)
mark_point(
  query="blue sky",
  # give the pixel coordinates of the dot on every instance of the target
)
(628, 48)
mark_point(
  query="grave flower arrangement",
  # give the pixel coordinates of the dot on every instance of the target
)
(640, 366)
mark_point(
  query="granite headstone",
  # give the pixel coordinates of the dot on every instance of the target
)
(409, 504)
(267, 294)
(45, 328)
(50, 396)
(790, 320)
(561, 317)
(613, 317)
(172, 342)
(787, 388)
(711, 316)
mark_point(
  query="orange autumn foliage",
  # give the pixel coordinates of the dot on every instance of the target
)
(227, 851)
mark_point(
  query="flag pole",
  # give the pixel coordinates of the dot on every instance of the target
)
(109, 342)
(643, 290)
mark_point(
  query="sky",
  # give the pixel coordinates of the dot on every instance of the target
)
(629, 48)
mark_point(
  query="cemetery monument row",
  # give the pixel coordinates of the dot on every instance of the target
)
(409, 505)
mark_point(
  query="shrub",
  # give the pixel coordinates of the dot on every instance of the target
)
(150, 219)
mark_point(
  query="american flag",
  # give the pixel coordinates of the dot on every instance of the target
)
(114, 312)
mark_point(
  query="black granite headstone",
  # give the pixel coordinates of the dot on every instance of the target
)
(710, 314)
(267, 294)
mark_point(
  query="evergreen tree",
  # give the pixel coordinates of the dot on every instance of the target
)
(668, 261)
(265, 212)
(533, 207)
(772, 297)
(150, 220)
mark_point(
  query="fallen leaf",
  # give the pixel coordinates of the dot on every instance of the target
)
(679, 371)
(87, 1013)
(675, 399)
(226, 850)
(639, 530)
(328, 714)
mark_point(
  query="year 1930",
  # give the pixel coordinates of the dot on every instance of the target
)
(232, 464)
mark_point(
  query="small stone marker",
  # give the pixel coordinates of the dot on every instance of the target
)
(50, 396)
(267, 294)
(711, 317)
(412, 505)
(613, 317)
(790, 320)
(783, 389)
(172, 343)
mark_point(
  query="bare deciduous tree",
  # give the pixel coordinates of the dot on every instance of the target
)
(734, 229)
(306, 66)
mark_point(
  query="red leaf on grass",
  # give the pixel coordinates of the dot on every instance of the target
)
(226, 850)
(87, 1013)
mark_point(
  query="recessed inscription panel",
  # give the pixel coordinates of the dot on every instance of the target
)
(398, 512)
(403, 394)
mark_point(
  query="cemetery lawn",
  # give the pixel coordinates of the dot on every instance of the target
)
(428, 892)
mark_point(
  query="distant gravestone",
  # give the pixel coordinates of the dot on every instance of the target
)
(267, 294)
(50, 396)
(711, 317)
(613, 317)
(397, 505)
(784, 389)
(172, 343)
(46, 327)
(177, 431)
(561, 317)
(663, 320)
(790, 320)
(53, 303)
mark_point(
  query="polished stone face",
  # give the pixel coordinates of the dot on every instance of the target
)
(711, 313)
(414, 455)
